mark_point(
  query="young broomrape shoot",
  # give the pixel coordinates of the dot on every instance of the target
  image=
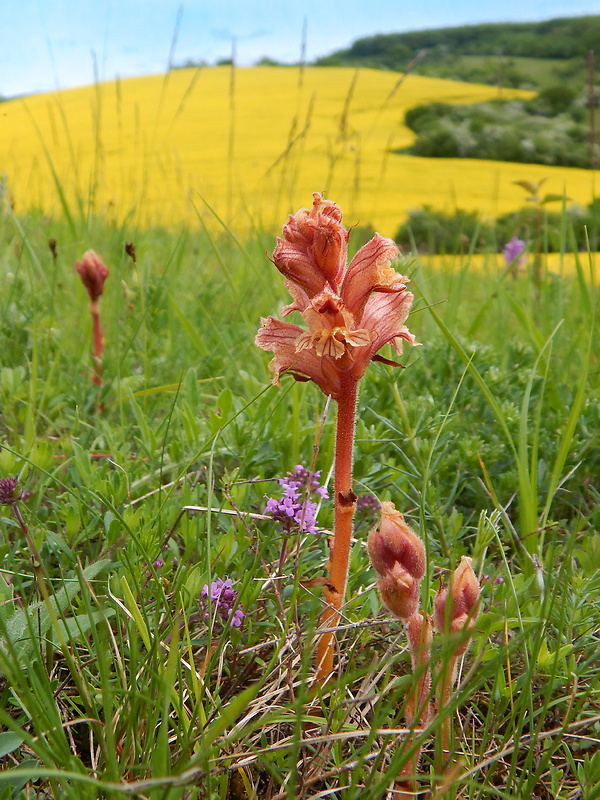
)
(398, 556)
(223, 600)
(93, 273)
(350, 313)
(455, 612)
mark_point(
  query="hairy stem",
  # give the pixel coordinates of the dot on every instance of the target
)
(98, 343)
(447, 682)
(419, 708)
(345, 502)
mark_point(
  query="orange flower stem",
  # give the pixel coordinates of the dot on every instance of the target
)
(418, 712)
(98, 344)
(345, 502)
(448, 678)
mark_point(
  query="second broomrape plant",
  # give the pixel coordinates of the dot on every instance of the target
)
(398, 556)
(351, 312)
(93, 273)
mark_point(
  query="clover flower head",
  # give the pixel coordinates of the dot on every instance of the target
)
(224, 601)
(10, 493)
(350, 312)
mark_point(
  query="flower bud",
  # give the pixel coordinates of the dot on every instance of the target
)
(399, 592)
(398, 556)
(455, 609)
(393, 541)
(93, 273)
(313, 249)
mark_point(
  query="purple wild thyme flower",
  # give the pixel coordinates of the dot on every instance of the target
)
(302, 478)
(514, 252)
(295, 510)
(224, 601)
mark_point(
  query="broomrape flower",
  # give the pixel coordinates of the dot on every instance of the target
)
(93, 273)
(350, 312)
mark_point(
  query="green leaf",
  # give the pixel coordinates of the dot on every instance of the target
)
(74, 627)
(9, 741)
(37, 617)
(554, 198)
(191, 331)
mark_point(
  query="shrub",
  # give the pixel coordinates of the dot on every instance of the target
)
(438, 232)
(550, 129)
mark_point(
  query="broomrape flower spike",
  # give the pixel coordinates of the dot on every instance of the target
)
(350, 313)
(93, 273)
(398, 556)
(455, 611)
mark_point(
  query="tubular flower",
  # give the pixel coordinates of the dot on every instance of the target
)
(350, 312)
(398, 556)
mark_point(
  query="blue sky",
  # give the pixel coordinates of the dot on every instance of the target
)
(46, 45)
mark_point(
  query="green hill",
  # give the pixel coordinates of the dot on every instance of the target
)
(517, 54)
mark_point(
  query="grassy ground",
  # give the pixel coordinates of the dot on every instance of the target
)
(119, 680)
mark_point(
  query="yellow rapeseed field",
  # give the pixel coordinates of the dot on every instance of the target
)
(254, 143)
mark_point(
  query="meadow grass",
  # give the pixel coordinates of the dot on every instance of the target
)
(254, 142)
(116, 679)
